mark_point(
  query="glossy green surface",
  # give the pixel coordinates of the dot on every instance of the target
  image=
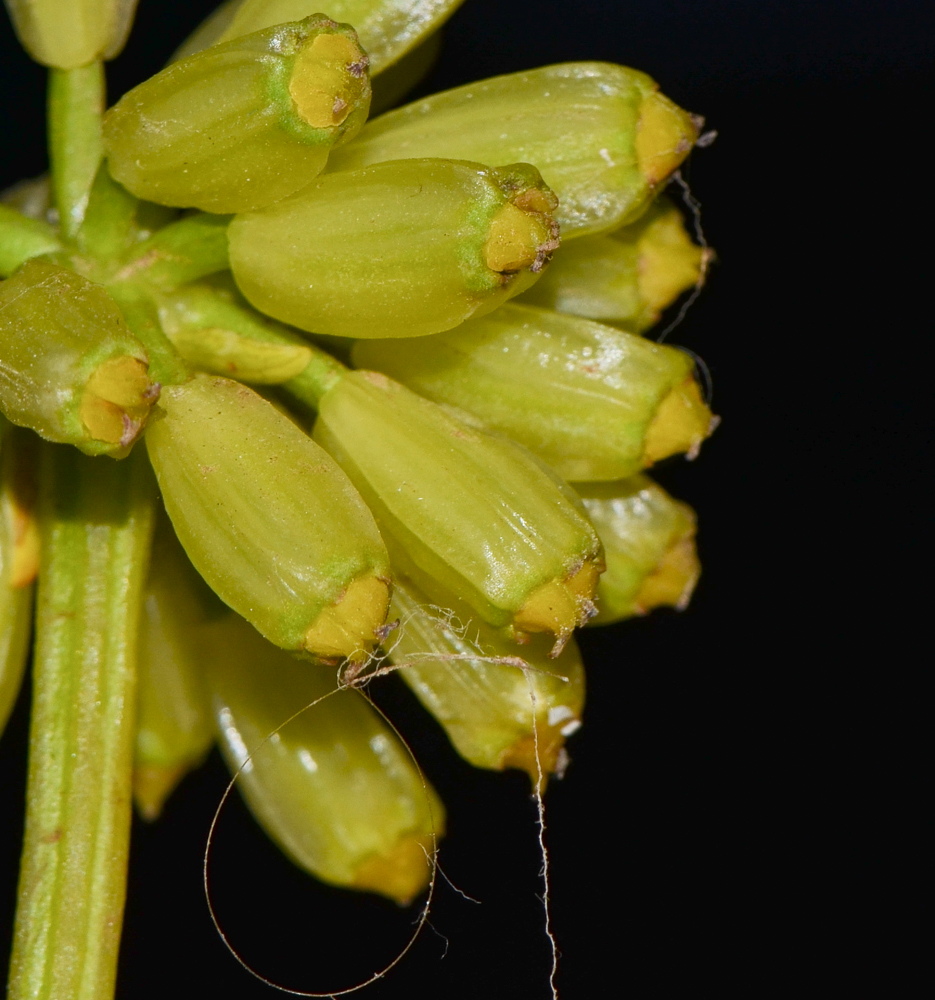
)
(579, 394)
(335, 787)
(265, 515)
(395, 250)
(221, 130)
(465, 513)
(487, 709)
(576, 122)
(638, 523)
(22, 238)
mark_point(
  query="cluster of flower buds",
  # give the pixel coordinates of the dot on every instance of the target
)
(357, 364)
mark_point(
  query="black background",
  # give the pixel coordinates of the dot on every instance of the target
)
(739, 808)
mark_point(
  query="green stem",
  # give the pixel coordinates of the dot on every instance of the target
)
(96, 525)
(181, 252)
(76, 105)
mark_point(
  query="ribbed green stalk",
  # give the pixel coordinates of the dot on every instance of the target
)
(96, 524)
(76, 103)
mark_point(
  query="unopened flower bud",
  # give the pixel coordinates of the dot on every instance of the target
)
(602, 136)
(66, 34)
(335, 788)
(400, 249)
(72, 370)
(465, 513)
(649, 545)
(592, 401)
(243, 124)
(627, 277)
(268, 519)
(513, 713)
(22, 238)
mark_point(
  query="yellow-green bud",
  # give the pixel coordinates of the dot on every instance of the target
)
(268, 519)
(71, 33)
(404, 248)
(649, 545)
(174, 729)
(592, 401)
(19, 560)
(388, 29)
(628, 277)
(22, 238)
(72, 370)
(243, 124)
(465, 513)
(497, 715)
(602, 136)
(335, 788)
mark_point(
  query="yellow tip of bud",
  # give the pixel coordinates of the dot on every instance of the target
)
(349, 626)
(520, 236)
(671, 583)
(668, 262)
(402, 873)
(327, 80)
(681, 423)
(665, 135)
(152, 785)
(559, 606)
(117, 401)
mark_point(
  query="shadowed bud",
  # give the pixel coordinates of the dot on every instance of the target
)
(72, 370)
(334, 787)
(71, 33)
(465, 513)
(401, 249)
(649, 545)
(22, 238)
(174, 729)
(497, 714)
(268, 519)
(241, 125)
(592, 401)
(601, 135)
(628, 277)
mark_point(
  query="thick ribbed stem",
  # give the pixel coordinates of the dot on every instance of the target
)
(96, 517)
(76, 104)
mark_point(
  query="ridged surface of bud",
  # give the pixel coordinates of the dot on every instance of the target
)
(72, 371)
(464, 513)
(401, 249)
(243, 124)
(601, 135)
(268, 519)
(649, 545)
(497, 715)
(592, 401)
(335, 788)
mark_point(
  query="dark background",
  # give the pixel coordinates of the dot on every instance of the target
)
(739, 808)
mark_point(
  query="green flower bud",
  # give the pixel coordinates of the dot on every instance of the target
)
(628, 277)
(649, 545)
(214, 334)
(71, 33)
(72, 370)
(268, 519)
(22, 238)
(388, 29)
(243, 124)
(497, 715)
(602, 135)
(335, 788)
(174, 729)
(592, 401)
(19, 560)
(465, 514)
(401, 249)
